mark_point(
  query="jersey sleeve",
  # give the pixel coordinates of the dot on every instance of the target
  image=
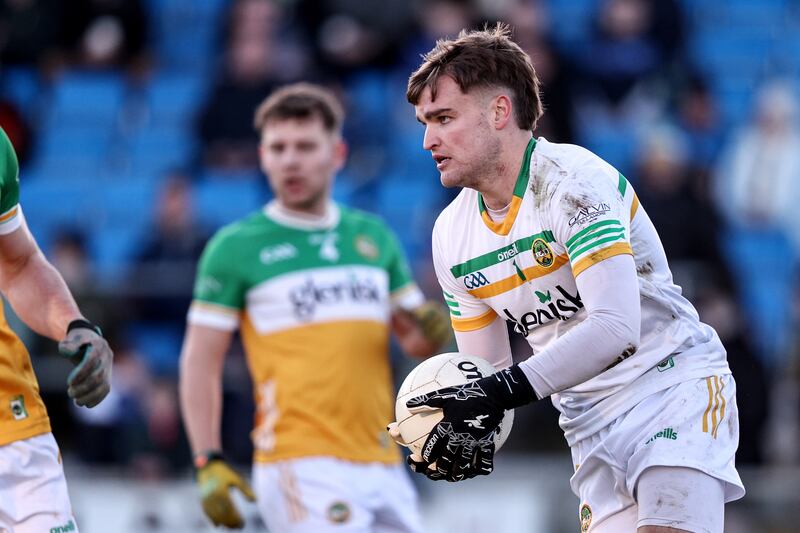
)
(591, 217)
(219, 289)
(9, 186)
(467, 313)
(405, 293)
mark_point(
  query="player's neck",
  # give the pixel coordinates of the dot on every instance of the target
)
(498, 190)
(302, 218)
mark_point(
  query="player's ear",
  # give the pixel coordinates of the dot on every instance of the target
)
(340, 151)
(501, 111)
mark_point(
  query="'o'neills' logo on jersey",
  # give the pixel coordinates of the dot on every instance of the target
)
(308, 296)
(666, 433)
(589, 213)
(507, 253)
(542, 253)
(554, 308)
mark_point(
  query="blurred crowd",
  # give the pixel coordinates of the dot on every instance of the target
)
(716, 171)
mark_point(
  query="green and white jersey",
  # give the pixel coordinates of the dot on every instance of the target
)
(313, 303)
(570, 210)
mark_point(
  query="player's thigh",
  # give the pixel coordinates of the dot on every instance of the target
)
(683, 499)
(33, 490)
(311, 495)
(605, 505)
(691, 425)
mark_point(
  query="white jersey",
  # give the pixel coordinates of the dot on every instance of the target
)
(571, 210)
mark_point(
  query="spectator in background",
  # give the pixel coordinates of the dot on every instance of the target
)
(348, 35)
(757, 189)
(261, 50)
(698, 117)
(106, 33)
(757, 182)
(166, 261)
(668, 189)
(555, 70)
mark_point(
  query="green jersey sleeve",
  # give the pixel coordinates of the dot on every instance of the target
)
(218, 280)
(9, 179)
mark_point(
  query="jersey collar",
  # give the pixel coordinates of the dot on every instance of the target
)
(303, 221)
(502, 227)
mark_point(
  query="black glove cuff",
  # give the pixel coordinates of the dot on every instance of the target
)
(80, 323)
(202, 459)
(510, 387)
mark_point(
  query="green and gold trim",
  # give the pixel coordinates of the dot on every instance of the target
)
(504, 226)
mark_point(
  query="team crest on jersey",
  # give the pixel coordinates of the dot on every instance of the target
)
(586, 517)
(542, 253)
(366, 247)
(18, 408)
(339, 512)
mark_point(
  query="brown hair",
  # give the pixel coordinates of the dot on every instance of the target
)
(300, 101)
(482, 58)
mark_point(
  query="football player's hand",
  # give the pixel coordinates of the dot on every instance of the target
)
(215, 478)
(434, 321)
(461, 445)
(90, 380)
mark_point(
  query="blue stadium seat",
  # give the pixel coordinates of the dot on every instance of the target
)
(153, 151)
(222, 201)
(173, 99)
(93, 99)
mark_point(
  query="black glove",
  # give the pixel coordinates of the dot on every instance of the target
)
(90, 380)
(461, 445)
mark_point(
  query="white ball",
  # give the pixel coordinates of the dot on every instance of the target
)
(444, 370)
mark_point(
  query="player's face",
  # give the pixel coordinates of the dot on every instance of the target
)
(300, 158)
(458, 134)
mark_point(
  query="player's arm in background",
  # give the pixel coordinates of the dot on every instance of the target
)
(420, 326)
(602, 262)
(212, 320)
(478, 329)
(41, 298)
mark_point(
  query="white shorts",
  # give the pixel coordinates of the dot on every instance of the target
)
(33, 490)
(691, 425)
(318, 494)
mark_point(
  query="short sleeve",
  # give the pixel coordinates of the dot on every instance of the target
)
(10, 218)
(591, 217)
(467, 313)
(219, 289)
(404, 291)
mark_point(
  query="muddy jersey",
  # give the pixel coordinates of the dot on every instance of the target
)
(313, 307)
(22, 412)
(570, 211)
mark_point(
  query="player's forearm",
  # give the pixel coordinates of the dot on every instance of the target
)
(201, 406)
(200, 385)
(41, 298)
(490, 343)
(610, 333)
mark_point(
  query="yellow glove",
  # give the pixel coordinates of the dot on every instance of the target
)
(434, 321)
(215, 478)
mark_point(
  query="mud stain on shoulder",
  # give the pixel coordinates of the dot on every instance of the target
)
(645, 269)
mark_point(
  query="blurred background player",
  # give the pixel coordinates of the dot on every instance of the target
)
(315, 289)
(568, 256)
(33, 490)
